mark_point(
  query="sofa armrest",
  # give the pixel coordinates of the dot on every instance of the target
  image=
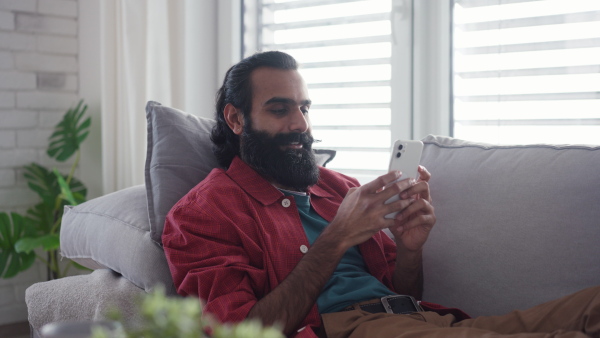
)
(82, 298)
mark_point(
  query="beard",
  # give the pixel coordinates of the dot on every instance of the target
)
(291, 168)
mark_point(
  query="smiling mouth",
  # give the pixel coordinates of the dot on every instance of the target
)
(293, 145)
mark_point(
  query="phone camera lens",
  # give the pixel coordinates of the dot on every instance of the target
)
(398, 155)
(400, 147)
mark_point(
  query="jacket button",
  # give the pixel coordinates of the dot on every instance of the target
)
(303, 248)
(286, 203)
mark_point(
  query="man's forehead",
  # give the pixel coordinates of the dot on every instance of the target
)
(272, 85)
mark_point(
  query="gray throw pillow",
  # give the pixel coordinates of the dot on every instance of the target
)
(179, 156)
(112, 231)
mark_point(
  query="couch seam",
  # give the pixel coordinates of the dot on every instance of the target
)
(109, 217)
(566, 147)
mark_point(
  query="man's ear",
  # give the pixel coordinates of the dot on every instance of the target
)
(234, 118)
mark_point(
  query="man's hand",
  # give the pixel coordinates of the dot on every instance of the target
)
(414, 223)
(362, 212)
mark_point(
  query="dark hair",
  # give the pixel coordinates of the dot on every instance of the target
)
(237, 90)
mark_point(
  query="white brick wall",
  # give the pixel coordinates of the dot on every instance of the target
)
(39, 81)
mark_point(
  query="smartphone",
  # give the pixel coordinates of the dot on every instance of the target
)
(405, 157)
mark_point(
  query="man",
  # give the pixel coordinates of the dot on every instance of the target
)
(277, 238)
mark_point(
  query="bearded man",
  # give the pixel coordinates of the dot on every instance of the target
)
(277, 238)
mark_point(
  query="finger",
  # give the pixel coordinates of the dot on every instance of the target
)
(398, 205)
(381, 181)
(424, 174)
(397, 229)
(351, 191)
(418, 206)
(420, 188)
(394, 189)
(425, 221)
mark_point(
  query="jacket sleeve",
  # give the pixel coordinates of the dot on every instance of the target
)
(211, 258)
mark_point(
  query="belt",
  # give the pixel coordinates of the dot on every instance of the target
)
(398, 304)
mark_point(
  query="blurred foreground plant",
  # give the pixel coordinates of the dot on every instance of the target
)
(164, 317)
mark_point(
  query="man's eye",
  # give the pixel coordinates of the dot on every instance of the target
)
(304, 110)
(279, 111)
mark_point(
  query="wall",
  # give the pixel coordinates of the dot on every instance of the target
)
(39, 81)
(49, 58)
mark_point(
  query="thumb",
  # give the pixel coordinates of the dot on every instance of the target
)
(351, 191)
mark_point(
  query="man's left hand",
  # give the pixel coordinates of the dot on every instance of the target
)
(414, 223)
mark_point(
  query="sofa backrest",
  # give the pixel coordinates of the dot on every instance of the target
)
(516, 225)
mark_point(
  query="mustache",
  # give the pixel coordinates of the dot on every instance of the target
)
(305, 139)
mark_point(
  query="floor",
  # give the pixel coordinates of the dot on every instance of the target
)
(16, 330)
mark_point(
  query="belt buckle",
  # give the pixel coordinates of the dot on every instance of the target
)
(388, 307)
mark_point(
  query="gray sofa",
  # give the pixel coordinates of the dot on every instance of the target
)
(516, 225)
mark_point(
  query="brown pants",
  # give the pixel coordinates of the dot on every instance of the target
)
(577, 315)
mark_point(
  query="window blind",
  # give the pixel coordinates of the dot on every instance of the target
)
(344, 48)
(527, 71)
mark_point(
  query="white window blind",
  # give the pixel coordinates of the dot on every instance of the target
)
(345, 51)
(527, 71)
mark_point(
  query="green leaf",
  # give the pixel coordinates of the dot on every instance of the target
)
(43, 182)
(41, 216)
(66, 193)
(46, 184)
(47, 242)
(80, 267)
(12, 229)
(69, 133)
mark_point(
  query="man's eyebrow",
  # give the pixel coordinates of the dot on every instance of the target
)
(287, 101)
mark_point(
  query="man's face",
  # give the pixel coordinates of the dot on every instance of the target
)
(276, 139)
(279, 101)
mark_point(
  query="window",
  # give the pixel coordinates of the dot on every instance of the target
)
(527, 71)
(345, 51)
(498, 71)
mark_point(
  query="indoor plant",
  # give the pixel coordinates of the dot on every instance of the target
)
(163, 317)
(20, 235)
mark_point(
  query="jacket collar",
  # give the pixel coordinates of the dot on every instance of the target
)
(258, 187)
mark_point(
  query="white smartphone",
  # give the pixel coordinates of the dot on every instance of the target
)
(405, 157)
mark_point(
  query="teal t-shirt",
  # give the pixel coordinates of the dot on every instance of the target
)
(351, 282)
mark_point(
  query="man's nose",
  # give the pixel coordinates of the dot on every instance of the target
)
(299, 121)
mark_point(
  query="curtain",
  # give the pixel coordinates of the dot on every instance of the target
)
(149, 52)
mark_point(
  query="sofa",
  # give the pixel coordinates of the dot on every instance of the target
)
(517, 225)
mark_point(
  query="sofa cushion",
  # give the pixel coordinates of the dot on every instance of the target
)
(113, 232)
(516, 225)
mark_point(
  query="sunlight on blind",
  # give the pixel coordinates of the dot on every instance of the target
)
(527, 71)
(344, 48)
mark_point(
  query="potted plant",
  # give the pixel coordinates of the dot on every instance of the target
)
(39, 228)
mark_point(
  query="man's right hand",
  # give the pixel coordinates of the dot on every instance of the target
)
(362, 212)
